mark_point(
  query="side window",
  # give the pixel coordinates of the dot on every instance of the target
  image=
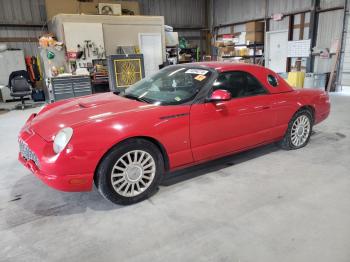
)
(234, 82)
(239, 84)
(272, 80)
(253, 86)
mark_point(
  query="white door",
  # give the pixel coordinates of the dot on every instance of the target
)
(277, 50)
(151, 48)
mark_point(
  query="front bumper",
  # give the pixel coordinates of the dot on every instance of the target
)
(67, 183)
(71, 170)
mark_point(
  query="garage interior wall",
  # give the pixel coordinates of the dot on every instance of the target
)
(21, 23)
(23, 19)
(343, 79)
(187, 17)
(328, 29)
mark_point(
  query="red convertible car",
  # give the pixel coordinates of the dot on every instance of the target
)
(125, 142)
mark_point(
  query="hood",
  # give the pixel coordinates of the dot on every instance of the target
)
(76, 112)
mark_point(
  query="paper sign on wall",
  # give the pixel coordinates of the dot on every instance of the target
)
(300, 48)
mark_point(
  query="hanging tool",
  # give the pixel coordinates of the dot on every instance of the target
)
(87, 44)
(84, 53)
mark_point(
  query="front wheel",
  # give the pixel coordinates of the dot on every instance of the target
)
(299, 131)
(130, 172)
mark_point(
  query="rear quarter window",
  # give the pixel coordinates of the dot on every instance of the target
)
(272, 80)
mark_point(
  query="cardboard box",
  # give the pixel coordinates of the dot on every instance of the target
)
(256, 37)
(255, 27)
(219, 44)
(54, 7)
(226, 51)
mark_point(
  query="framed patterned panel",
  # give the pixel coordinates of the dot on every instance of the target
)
(125, 70)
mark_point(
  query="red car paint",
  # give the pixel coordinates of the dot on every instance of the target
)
(187, 134)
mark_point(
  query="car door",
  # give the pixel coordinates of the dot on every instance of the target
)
(219, 128)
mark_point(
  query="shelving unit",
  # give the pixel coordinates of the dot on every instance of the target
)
(254, 56)
(193, 51)
(172, 54)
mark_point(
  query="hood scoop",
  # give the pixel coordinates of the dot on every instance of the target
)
(90, 104)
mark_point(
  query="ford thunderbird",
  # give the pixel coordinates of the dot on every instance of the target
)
(126, 141)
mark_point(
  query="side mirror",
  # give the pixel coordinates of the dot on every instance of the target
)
(220, 95)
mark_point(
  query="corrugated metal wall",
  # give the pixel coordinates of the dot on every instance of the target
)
(177, 13)
(288, 6)
(329, 25)
(22, 12)
(30, 48)
(331, 3)
(279, 25)
(233, 11)
(344, 71)
(185, 13)
(329, 29)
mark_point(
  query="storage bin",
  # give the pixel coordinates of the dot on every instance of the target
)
(320, 81)
(309, 80)
(296, 79)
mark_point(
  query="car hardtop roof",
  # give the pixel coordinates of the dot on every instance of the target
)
(225, 66)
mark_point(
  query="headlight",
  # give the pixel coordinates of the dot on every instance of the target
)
(62, 139)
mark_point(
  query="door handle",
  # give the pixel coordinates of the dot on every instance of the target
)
(265, 107)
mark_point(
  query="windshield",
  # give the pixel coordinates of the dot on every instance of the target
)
(172, 85)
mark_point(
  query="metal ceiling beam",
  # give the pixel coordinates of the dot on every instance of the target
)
(22, 25)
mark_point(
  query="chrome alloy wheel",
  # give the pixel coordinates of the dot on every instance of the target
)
(300, 130)
(133, 173)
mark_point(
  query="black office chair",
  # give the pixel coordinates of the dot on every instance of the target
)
(20, 85)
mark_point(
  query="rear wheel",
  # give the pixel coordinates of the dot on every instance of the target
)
(299, 130)
(130, 172)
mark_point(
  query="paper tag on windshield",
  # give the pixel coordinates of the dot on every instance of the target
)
(196, 71)
(200, 77)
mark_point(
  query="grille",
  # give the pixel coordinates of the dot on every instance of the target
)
(27, 153)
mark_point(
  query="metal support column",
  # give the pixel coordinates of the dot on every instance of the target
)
(343, 69)
(313, 32)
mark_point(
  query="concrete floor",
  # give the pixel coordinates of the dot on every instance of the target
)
(263, 205)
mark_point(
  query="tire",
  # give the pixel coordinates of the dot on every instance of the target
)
(292, 134)
(120, 167)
